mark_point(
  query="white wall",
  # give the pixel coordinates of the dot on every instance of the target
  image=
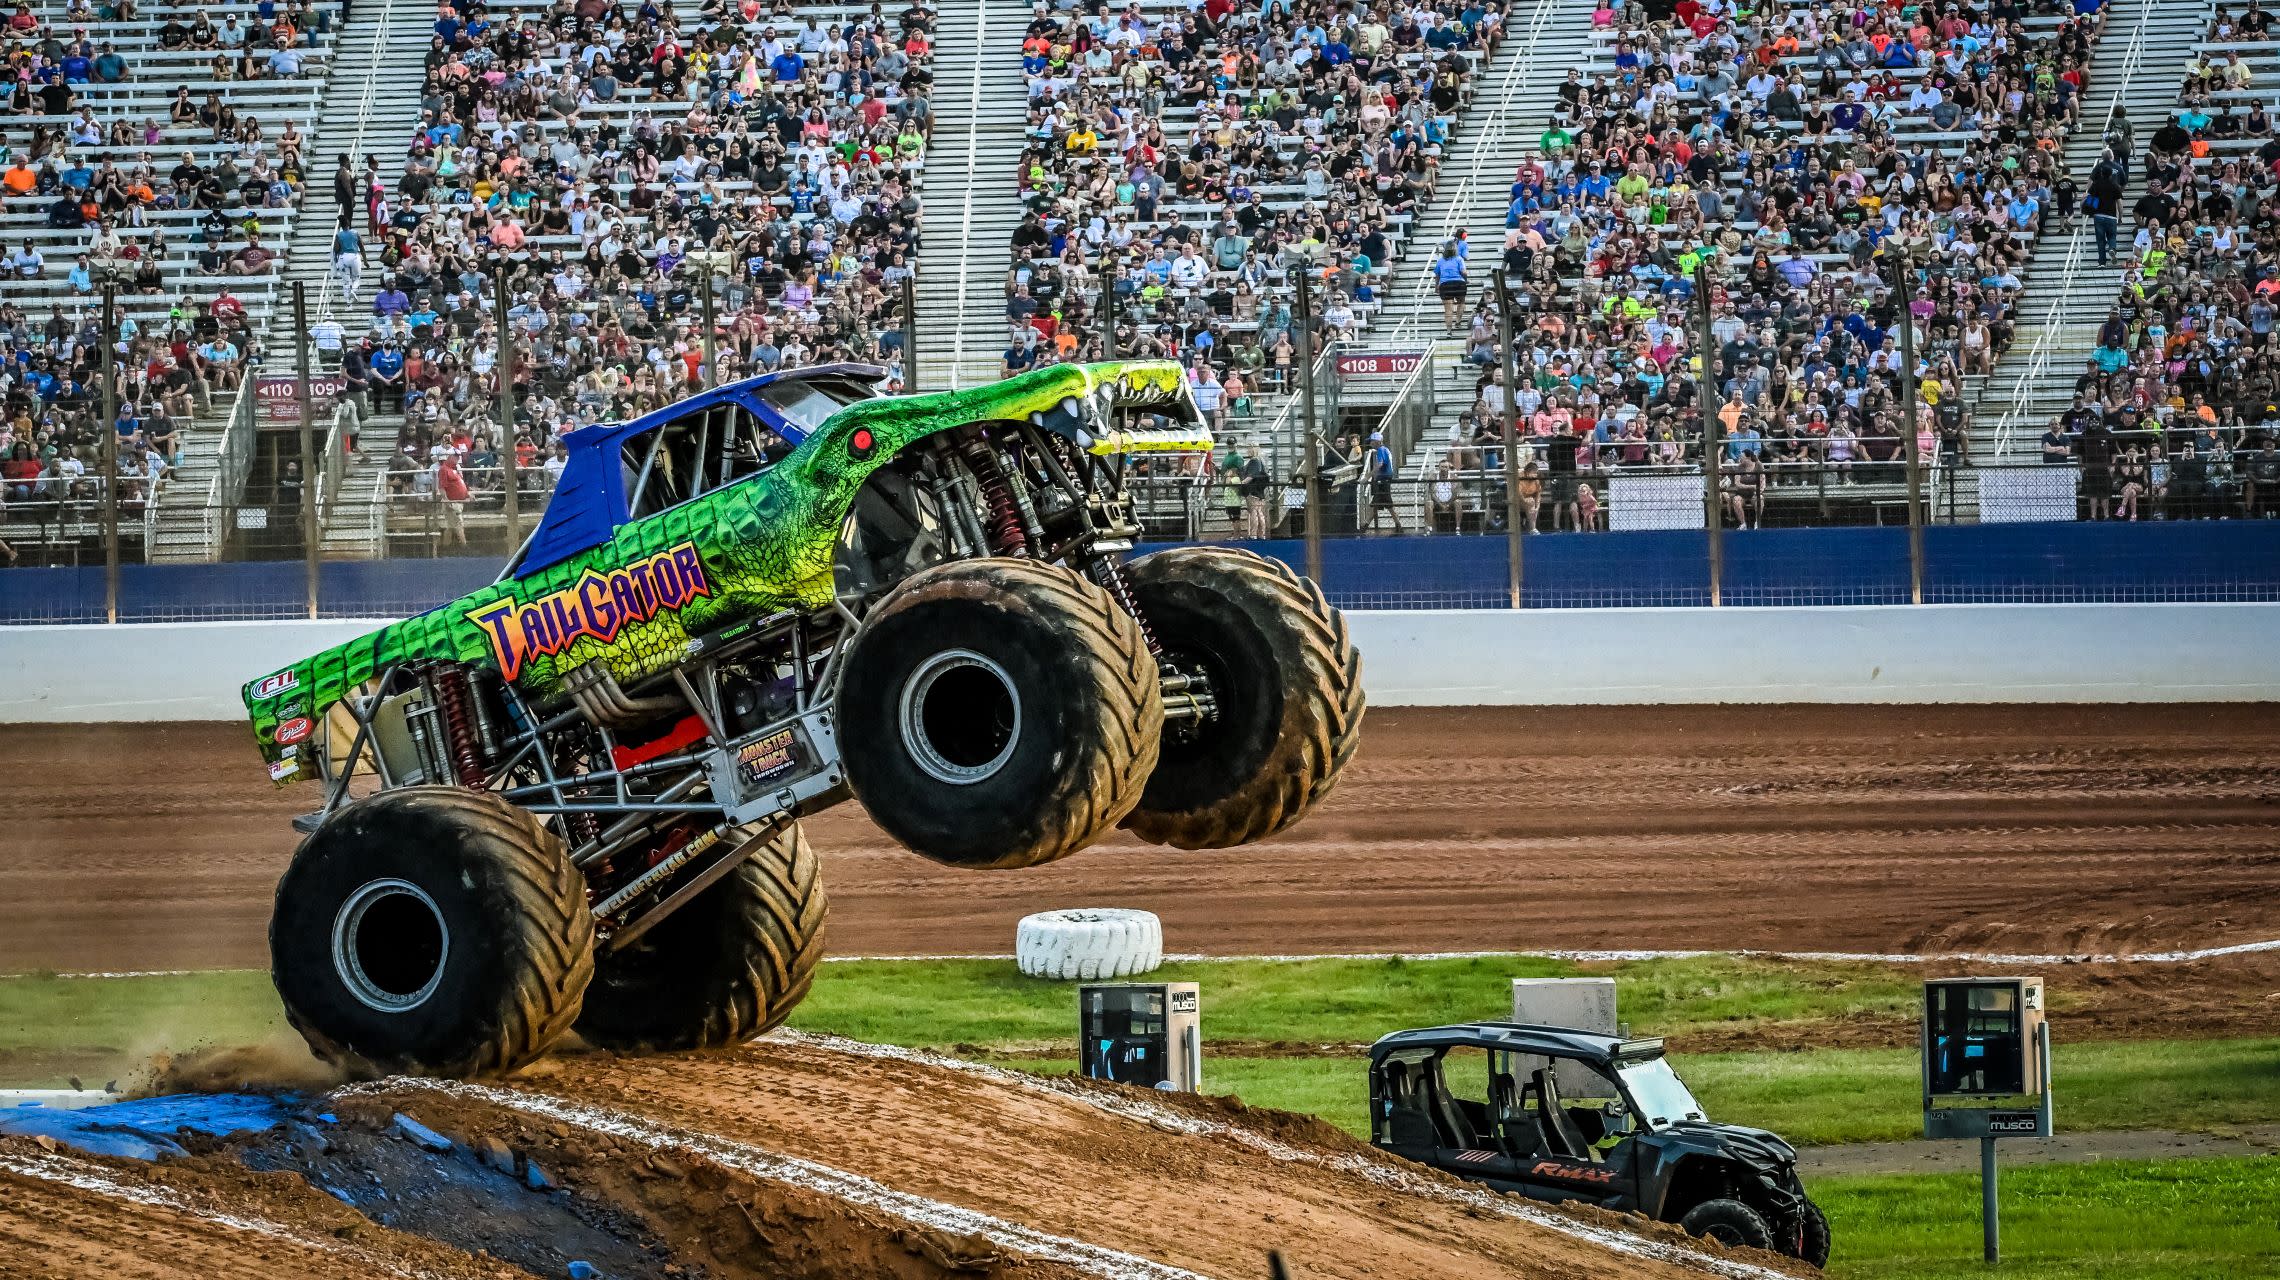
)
(1862, 653)
(1876, 653)
(150, 671)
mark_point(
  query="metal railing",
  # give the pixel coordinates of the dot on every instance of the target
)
(1415, 405)
(367, 96)
(1453, 204)
(2037, 357)
(233, 462)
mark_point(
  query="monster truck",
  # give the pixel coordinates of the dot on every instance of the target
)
(571, 799)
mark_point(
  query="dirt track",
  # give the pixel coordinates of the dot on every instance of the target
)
(1874, 829)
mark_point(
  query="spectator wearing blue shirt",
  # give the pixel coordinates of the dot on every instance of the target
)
(387, 363)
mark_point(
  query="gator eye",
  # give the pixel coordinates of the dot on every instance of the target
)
(862, 443)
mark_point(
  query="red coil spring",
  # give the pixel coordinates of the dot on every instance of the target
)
(1006, 536)
(454, 699)
(1110, 575)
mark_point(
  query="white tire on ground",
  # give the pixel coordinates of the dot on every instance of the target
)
(1089, 943)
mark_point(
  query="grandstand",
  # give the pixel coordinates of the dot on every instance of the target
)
(1179, 167)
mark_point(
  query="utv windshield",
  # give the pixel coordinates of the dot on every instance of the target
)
(1657, 1094)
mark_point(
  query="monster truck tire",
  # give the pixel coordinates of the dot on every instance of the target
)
(1730, 1223)
(1090, 943)
(998, 713)
(1814, 1246)
(722, 969)
(431, 930)
(1288, 685)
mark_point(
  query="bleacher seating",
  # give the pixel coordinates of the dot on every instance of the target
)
(779, 151)
(161, 153)
(2174, 412)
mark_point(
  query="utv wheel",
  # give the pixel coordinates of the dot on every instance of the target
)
(432, 931)
(1730, 1223)
(729, 965)
(998, 713)
(1814, 1246)
(1288, 685)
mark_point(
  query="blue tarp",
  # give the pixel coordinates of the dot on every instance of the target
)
(144, 1129)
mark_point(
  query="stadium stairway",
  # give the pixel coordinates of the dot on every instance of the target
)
(370, 103)
(1495, 134)
(2137, 64)
(973, 201)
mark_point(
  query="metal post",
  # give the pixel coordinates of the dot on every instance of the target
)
(706, 314)
(1714, 519)
(1904, 284)
(1108, 305)
(910, 330)
(312, 538)
(1512, 551)
(506, 405)
(110, 461)
(1302, 318)
(1990, 1217)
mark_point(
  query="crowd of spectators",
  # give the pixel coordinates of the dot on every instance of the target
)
(1195, 161)
(605, 159)
(129, 158)
(1811, 156)
(2176, 411)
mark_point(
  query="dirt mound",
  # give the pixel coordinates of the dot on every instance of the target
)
(794, 1158)
(1152, 1185)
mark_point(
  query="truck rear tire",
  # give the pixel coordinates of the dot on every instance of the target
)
(998, 713)
(1730, 1223)
(1288, 685)
(432, 931)
(731, 964)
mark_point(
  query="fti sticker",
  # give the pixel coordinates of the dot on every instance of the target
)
(271, 686)
(285, 768)
(596, 606)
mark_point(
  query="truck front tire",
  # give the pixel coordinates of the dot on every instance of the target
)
(1287, 681)
(998, 713)
(431, 931)
(729, 965)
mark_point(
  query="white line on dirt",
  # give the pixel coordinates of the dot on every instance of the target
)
(2181, 956)
(1858, 957)
(1382, 1173)
(97, 1180)
(127, 973)
(1093, 1259)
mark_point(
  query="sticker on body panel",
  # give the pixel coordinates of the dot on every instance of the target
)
(597, 605)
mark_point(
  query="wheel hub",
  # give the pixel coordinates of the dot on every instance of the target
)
(961, 717)
(389, 945)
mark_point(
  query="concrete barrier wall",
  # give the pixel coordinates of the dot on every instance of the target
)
(1859, 654)
(1838, 654)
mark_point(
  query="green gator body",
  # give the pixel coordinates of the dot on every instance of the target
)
(741, 552)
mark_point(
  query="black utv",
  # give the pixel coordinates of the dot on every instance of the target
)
(1557, 1114)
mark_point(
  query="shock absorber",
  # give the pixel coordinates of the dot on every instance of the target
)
(1110, 575)
(456, 700)
(1006, 535)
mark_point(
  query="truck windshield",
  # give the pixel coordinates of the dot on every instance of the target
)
(806, 402)
(1658, 1094)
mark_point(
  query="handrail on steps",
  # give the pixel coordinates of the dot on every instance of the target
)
(2046, 341)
